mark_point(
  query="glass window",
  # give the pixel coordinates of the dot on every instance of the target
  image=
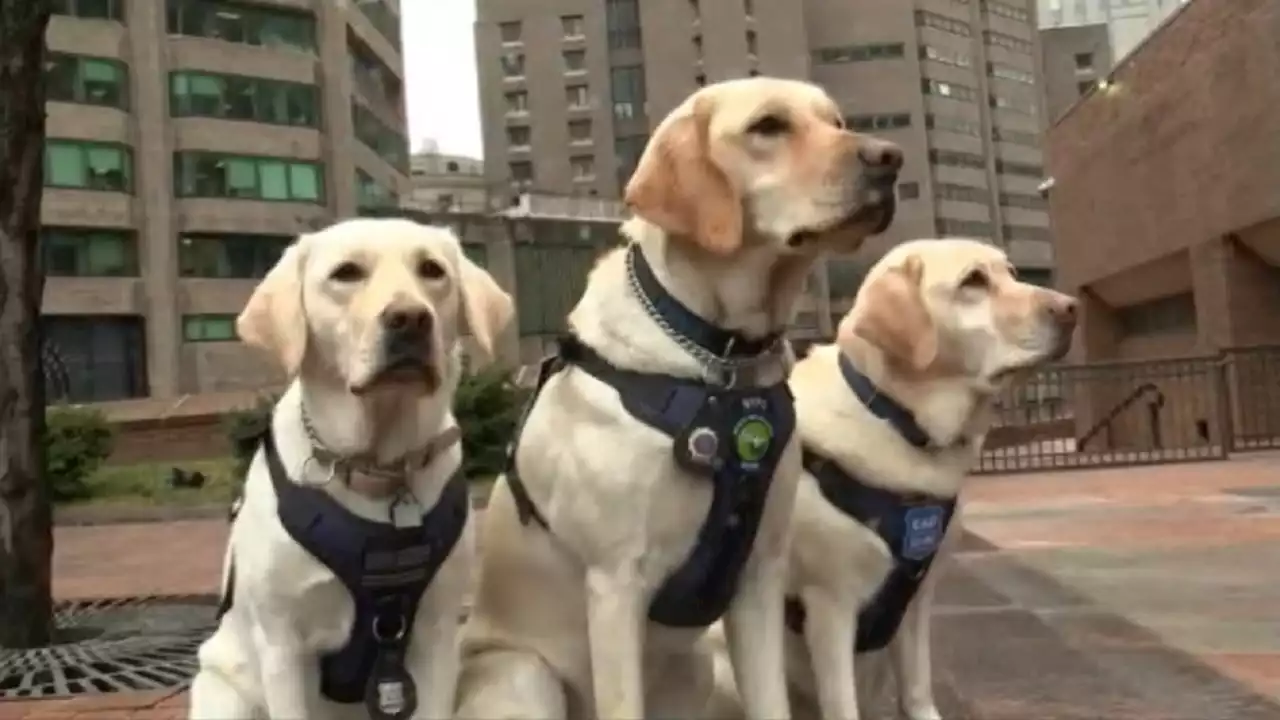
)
(510, 31)
(76, 252)
(65, 166)
(208, 328)
(92, 81)
(88, 165)
(199, 174)
(242, 178)
(575, 60)
(243, 23)
(304, 182)
(389, 144)
(60, 77)
(572, 26)
(622, 19)
(518, 135)
(232, 97)
(580, 130)
(95, 9)
(383, 18)
(103, 82)
(512, 65)
(518, 102)
(628, 92)
(522, 171)
(239, 98)
(577, 96)
(229, 255)
(108, 168)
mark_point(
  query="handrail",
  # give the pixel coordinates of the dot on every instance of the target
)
(1120, 407)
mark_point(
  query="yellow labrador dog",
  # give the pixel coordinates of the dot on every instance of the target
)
(652, 483)
(892, 417)
(350, 553)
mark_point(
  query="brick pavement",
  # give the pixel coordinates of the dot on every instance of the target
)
(1124, 594)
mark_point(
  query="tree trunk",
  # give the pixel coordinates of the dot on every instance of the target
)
(26, 523)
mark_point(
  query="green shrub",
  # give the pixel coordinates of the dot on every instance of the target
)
(76, 442)
(488, 406)
(244, 427)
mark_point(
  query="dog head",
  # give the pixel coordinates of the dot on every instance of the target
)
(374, 304)
(955, 309)
(764, 160)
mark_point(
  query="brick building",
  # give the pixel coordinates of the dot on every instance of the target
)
(188, 142)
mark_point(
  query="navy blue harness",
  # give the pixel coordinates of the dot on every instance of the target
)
(732, 436)
(912, 526)
(385, 568)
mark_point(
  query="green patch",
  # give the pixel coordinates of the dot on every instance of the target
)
(148, 484)
(752, 437)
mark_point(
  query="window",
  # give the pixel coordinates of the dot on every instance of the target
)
(510, 32)
(1036, 276)
(105, 356)
(372, 78)
(1027, 232)
(389, 144)
(748, 7)
(946, 227)
(575, 61)
(859, 53)
(697, 44)
(1013, 104)
(580, 131)
(752, 43)
(215, 175)
(572, 26)
(91, 9)
(908, 190)
(87, 80)
(628, 150)
(512, 65)
(1008, 42)
(231, 97)
(1022, 169)
(88, 252)
(1175, 313)
(84, 165)
(372, 194)
(1015, 137)
(946, 57)
(518, 136)
(952, 124)
(629, 95)
(867, 123)
(1005, 72)
(622, 20)
(961, 193)
(1084, 61)
(946, 24)
(383, 18)
(577, 97)
(209, 328)
(517, 102)
(522, 171)
(583, 167)
(229, 255)
(954, 158)
(272, 27)
(1024, 201)
(952, 91)
(700, 80)
(1007, 11)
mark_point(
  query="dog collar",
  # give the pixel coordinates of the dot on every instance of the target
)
(391, 472)
(883, 406)
(710, 344)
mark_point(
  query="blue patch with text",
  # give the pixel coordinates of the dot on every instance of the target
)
(925, 526)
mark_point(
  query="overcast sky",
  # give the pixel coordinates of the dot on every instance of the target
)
(440, 70)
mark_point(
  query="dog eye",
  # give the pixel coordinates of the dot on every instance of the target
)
(347, 272)
(430, 270)
(975, 280)
(769, 126)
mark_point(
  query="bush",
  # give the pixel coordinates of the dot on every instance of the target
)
(244, 428)
(488, 406)
(76, 442)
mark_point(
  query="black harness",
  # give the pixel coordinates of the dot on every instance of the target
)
(732, 436)
(912, 526)
(385, 568)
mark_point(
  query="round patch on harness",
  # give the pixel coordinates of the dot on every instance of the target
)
(752, 437)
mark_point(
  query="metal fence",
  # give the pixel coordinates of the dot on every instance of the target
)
(1138, 413)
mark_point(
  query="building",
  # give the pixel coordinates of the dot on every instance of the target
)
(1077, 61)
(570, 89)
(1128, 22)
(450, 183)
(188, 142)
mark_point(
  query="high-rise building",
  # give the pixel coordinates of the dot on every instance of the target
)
(1128, 22)
(570, 90)
(189, 141)
(1077, 61)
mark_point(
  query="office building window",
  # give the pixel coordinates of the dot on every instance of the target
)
(229, 255)
(955, 158)
(1005, 72)
(511, 32)
(512, 65)
(216, 175)
(209, 328)
(946, 24)
(859, 53)
(372, 78)
(947, 227)
(628, 92)
(748, 7)
(868, 123)
(1084, 61)
(372, 194)
(575, 61)
(945, 56)
(577, 97)
(1022, 169)
(90, 9)
(87, 80)
(105, 356)
(233, 97)
(1007, 11)
(628, 150)
(1008, 42)
(1024, 106)
(1023, 201)
(583, 167)
(573, 27)
(1175, 313)
(270, 27)
(753, 45)
(517, 102)
(622, 20)
(84, 165)
(522, 171)
(1015, 137)
(952, 124)
(951, 91)
(519, 136)
(88, 252)
(908, 190)
(961, 193)
(389, 144)
(1027, 232)
(383, 18)
(580, 131)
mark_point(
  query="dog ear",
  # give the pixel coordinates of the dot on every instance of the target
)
(677, 187)
(890, 313)
(273, 319)
(486, 307)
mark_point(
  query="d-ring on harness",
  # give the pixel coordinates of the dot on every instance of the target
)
(729, 434)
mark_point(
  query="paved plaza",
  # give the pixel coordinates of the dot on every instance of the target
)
(1129, 594)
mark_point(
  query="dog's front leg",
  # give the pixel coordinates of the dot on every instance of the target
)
(290, 677)
(754, 629)
(912, 663)
(830, 631)
(615, 627)
(433, 663)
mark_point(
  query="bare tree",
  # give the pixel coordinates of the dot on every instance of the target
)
(26, 523)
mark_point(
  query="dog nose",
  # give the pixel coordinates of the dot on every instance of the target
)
(880, 154)
(1064, 310)
(406, 321)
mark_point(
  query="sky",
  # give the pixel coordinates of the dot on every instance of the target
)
(440, 74)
